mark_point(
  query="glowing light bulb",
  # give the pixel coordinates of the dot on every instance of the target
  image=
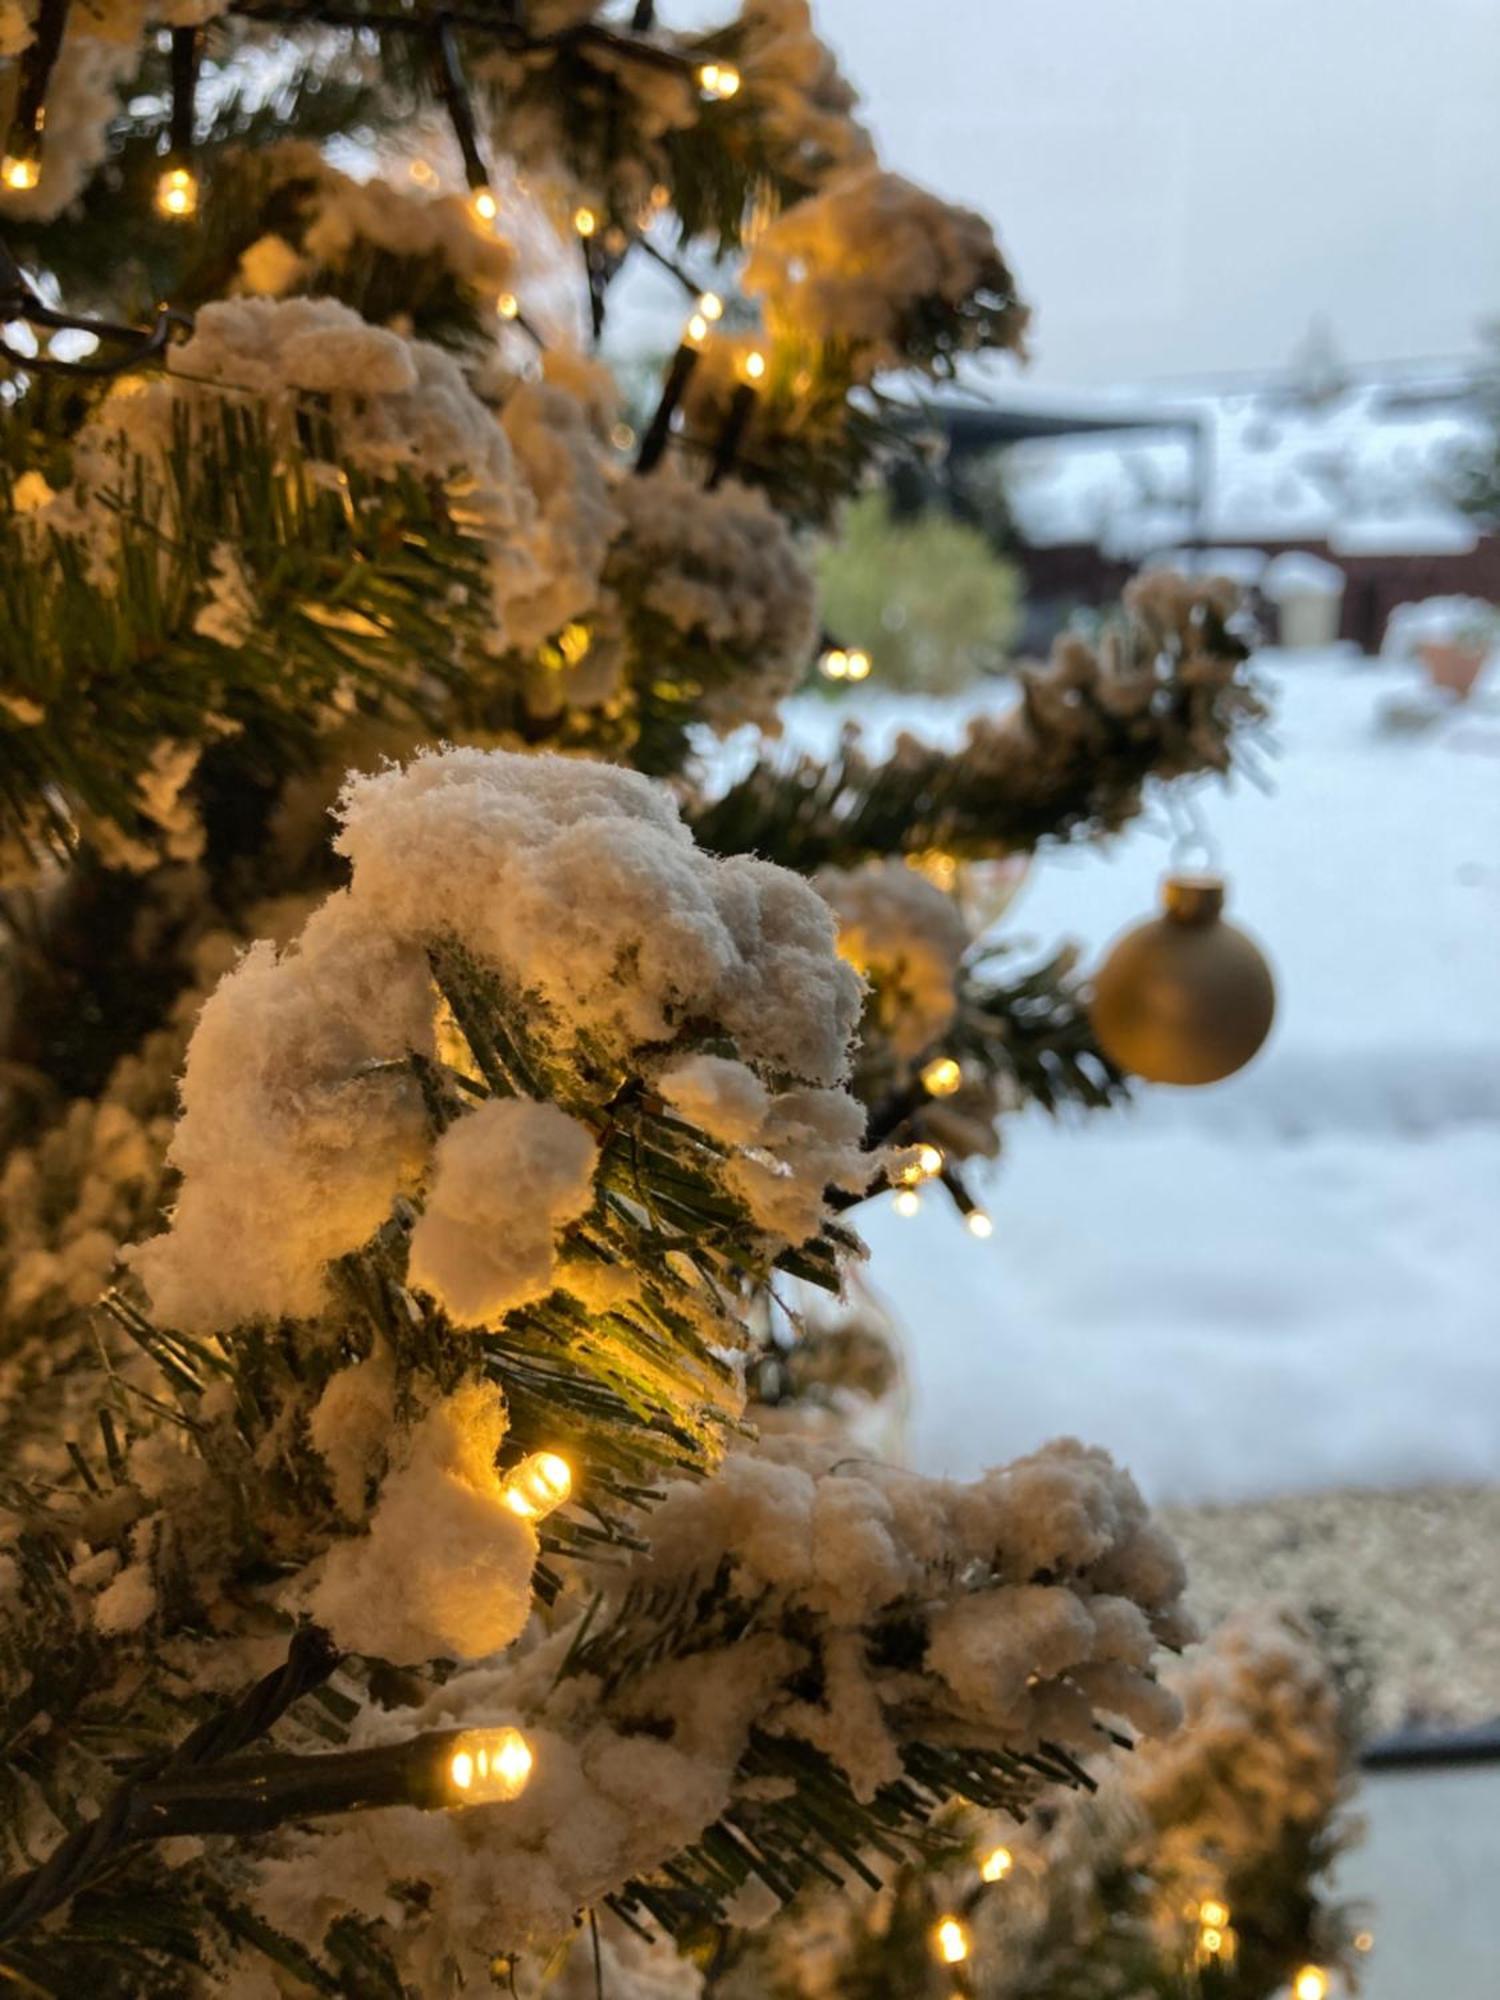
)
(507, 305)
(1364, 1940)
(941, 1077)
(1213, 1914)
(573, 642)
(1311, 1983)
(925, 1163)
(907, 1202)
(951, 1941)
(834, 665)
(538, 1485)
(489, 1767)
(483, 206)
(718, 80)
(753, 367)
(710, 305)
(585, 222)
(697, 331)
(978, 1223)
(20, 172)
(177, 193)
(859, 664)
(1211, 1939)
(423, 173)
(996, 1865)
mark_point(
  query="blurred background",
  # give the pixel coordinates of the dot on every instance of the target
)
(1261, 245)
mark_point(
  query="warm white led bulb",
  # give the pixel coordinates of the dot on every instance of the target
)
(834, 664)
(488, 1767)
(907, 1202)
(859, 664)
(20, 172)
(996, 1865)
(1213, 1914)
(941, 1077)
(585, 221)
(1311, 1983)
(710, 305)
(978, 1223)
(483, 206)
(697, 331)
(718, 80)
(177, 193)
(753, 367)
(507, 305)
(538, 1485)
(951, 1941)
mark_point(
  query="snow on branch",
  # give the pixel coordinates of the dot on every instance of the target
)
(811, 1661)
(1162, 695)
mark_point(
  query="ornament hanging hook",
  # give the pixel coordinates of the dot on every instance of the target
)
(1194, 849)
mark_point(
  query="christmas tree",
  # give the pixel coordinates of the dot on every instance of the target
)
(426, 1096)
(1196, 1866)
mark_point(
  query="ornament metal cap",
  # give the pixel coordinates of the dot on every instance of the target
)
(1193, 899)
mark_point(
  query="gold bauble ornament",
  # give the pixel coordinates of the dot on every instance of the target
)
(1185, 998)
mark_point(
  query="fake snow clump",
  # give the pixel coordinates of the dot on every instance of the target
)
(445, 1571)
(576, 887)
(475, 1248)
(1042, 1591)
(856, 264)
(908, 938)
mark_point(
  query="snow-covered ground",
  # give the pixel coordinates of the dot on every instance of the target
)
(1288, 1282)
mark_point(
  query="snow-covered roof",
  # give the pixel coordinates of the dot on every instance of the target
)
(1363, 468)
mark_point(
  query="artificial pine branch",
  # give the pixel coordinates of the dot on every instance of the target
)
(1163, 696)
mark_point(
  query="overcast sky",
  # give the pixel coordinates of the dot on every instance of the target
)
(1184, 185)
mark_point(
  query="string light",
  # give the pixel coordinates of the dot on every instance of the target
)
(1311, 1983)
(834, 664)
(488, 1767)
(21, 165)
(859, 664)
(454, 89)
(20, 172)
(585, 222)
(978, 1223)
(507, 305)
(177, 186)
(751, 369)
(924, 1165)
(951, 1941)
(907, 1201)
(1364, 1940)
(941, 1077)
(684, 361)
(1216, 1939)
(177, 191)
(996, 1865)
(542, 1482)
(718, 80)
(710, 305)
